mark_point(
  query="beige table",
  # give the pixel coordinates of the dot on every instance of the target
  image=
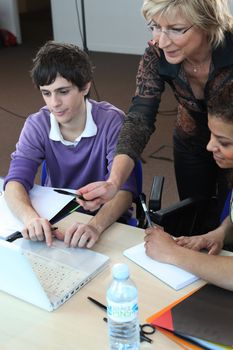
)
(78, 324)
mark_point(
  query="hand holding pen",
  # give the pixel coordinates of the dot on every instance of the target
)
(18, 234)
(70, 193)
(146, 212)
(85, 203)
(39, 229)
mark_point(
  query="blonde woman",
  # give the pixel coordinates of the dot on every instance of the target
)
(191, 50)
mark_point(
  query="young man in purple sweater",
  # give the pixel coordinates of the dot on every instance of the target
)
(77, 139)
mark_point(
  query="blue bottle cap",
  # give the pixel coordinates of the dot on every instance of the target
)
(120, 271)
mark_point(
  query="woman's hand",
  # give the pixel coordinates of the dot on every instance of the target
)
(96, 194)
(212, 241)
(159, 245)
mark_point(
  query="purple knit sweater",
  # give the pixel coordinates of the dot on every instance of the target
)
(68, 166)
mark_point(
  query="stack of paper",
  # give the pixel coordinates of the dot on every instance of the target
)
(46, 202)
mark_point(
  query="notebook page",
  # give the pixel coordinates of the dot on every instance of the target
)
(46, 202)
(173, 276)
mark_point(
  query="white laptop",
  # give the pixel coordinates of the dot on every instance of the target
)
(43, 276)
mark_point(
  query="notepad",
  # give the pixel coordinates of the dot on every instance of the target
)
(171, 275)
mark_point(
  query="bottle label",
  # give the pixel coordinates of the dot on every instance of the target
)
(124, 312)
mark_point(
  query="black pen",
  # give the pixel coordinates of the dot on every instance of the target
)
(144, 207)
(14, 236)
(102, 306)
(69, 193)
(18, 234)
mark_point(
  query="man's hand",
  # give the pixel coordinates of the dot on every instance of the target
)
(79, 235)
(96, 194)
(39, 229)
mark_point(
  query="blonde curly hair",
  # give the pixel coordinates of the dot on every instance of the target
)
(212, 16)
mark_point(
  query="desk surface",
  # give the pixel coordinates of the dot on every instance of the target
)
(78, 324)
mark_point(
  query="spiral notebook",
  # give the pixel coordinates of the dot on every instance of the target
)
(171, 275)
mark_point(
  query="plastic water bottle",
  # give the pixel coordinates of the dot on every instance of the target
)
(122, 310)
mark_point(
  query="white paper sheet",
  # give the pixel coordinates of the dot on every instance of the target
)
(46, 202)
(1, 183)
(170, 274)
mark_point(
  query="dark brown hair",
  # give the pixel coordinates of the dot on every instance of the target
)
(221, 106)
(67, 60)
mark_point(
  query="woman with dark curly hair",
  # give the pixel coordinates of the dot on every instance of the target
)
(185, 252)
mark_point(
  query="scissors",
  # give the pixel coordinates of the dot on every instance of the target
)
(145, 330)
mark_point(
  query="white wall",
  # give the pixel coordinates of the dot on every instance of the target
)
(231, 5)
(9, 18)
(111, 25)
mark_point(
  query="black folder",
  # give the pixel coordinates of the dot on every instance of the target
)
(206, 314)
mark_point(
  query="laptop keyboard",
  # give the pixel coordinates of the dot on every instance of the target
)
(56, 278)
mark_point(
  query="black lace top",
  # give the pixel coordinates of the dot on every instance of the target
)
(191, 122)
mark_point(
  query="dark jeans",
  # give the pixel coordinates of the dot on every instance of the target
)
(198, 174)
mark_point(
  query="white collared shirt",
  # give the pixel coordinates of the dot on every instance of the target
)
(89, 130)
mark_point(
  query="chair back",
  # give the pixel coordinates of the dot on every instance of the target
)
(138, 220)
(194, 215)
(226, 208)
(183, 218)
(43, 173)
